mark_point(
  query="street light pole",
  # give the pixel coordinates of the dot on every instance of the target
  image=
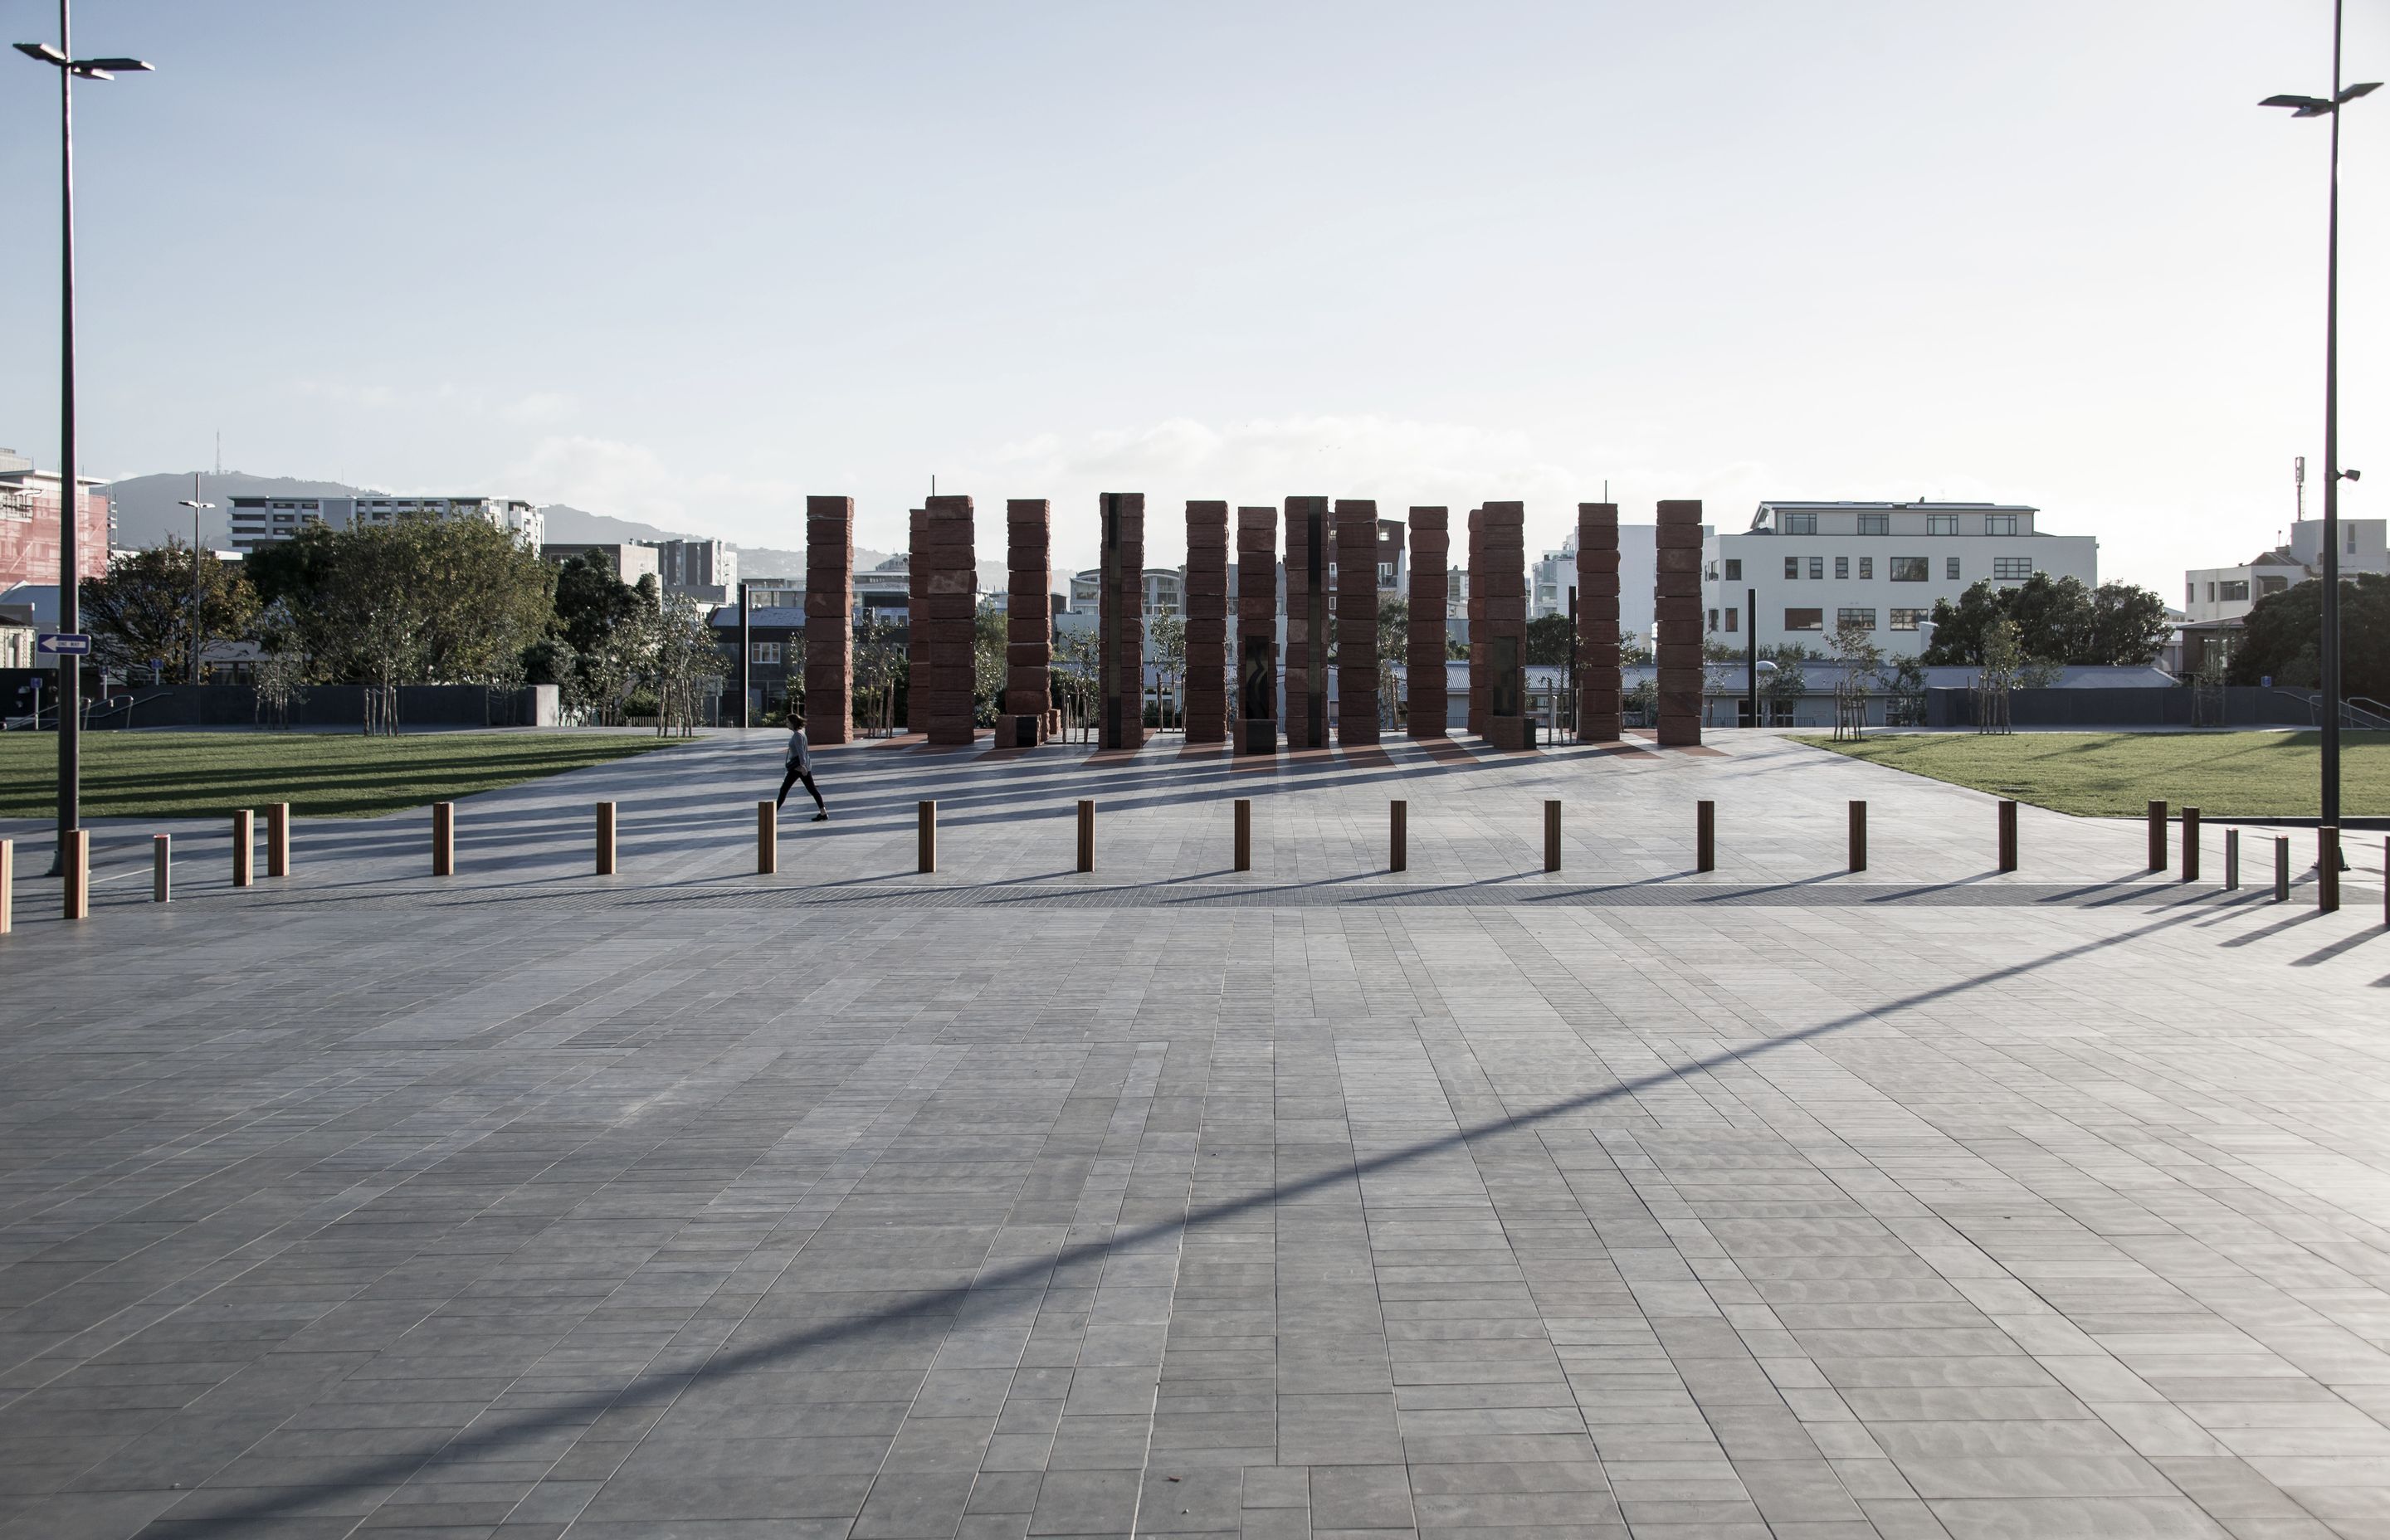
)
(2329, 644)
(69, 682)
(198, 583)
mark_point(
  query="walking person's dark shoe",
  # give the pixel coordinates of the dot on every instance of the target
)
(821, 818)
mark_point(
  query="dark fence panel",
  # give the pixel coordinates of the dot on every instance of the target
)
(2122, 706)
(324, 706)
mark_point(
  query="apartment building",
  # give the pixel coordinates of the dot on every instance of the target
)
(1803, 570)
(2227, 593)
(29, 523)
(706, 570)
(1550, 579)
(258, 522)
(630, 559)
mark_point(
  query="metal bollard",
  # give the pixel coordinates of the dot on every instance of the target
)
(605, 838)
(2327, 869)
(1551, 836)
(925, 837)
(7, 884)
(2282, 868)
(1086, 834)
(2231, 859)
(1705, 836)
(162, 869)
(244, 848)
(1859, 836)
(767, 839)
(1244, 835)
(78, 883)
(2191, 845)
(1398, 820)
(2008, 835)
(444, 839)
(278, 840)
(2157, 837)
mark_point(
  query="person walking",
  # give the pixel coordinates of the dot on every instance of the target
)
(801, 768)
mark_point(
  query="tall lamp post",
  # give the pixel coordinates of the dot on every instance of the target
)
(199, 580)
(2329, 107)
(70, 67)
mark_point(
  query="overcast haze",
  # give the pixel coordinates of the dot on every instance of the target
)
(688, 263)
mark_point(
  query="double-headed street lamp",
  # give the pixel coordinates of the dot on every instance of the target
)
(69, 667)
(2329, 107)
(199, 579)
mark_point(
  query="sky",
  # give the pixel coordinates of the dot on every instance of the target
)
(689, 263)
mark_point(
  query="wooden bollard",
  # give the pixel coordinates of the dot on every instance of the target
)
(2385, 882)
(444, 839)
(77, 872)
(7, 884)
(278, 840)
(2008, 834)
(1859, 836)
(2191, 845)
(2231, 860)
(605, 838)
(1398, 841)
(2327, 870)
(162, 869)
(1086, 834)
(1705, 836)
(925, 837)
(244, 848)
(1551, 836)
(2282, 868)
(767, 839)
(1244, 840)
(2157, 837)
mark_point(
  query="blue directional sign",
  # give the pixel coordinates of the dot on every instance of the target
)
(63, 643)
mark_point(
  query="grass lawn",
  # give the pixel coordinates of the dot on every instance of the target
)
(193, 774)
(2117, 774)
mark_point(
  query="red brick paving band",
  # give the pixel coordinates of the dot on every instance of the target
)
(830, 630)
(1677, 610)
(1600, 683)
(1424, 704)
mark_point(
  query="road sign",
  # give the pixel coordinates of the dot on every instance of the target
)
(62, 643)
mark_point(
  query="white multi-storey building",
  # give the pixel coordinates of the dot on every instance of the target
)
(2227, 593)
(1638, 565)
(264, 520)
(1802, 571)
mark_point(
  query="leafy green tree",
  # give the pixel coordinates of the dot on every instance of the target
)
(2282, 637)
(1393, 630)
(142, 610)
(684, 666)
(2058, 621)
(990, 639)
(1548, 640)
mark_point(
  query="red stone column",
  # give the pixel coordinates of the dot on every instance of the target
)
(1207, 623)
(953, 597)
(1356, 623)
(1029, 624)
(1306, 664)
(1601, 685)
(917, 628)
(1474, 607)
(1256, 707)
(1677, 608)
(1424, 701)
(829, 620)
(1121, 620)
(1503, 537)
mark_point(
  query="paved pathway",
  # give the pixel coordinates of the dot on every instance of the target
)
(1171, 1199)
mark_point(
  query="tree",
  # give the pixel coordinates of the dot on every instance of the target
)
(1785, 685)
(684, 664)
(1074, 673)
(1168, 635)
(1393, 629)
(1548, 640)
(141, 612)
(881, 669)
(2058, 620)
(990, 637)
(2281, 638)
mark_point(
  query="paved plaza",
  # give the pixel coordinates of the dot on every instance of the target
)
(1307, 1202)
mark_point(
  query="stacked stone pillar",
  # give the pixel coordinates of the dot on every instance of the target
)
(1307, 536)
(1256, 704)
(951, 590)
(1028, 718)
(1503, 538)
(1356, 623)
(830, 622)
(1121, 620)
(1600, 683)
(1474, 608)
(1207, 623)
(1424, 701)
(916, 614)
(1677, 607)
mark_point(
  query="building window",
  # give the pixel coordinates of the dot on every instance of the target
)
(2189, 594)
(1798, 523)
(2272, 585)
(1841, 568)
(2233, 591)
(1863, 619)
(1713, 620)
(1951, 568)
(2211, 593)
(1875, 523)
(1731, 617)
(1941, 523)
(1911, 568)
(764, 653)
(1817, 568)
(1867, 566)
(2012, 569)
(1734, 568)
(2352, 540)
(1791, 565)
(1907, 619)
(1999, 523)
(1805, 620)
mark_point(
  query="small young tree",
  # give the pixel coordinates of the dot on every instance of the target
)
(1168, 635)
(281, 679)
(684, 664)
(1784, 686)
(1855, 648)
